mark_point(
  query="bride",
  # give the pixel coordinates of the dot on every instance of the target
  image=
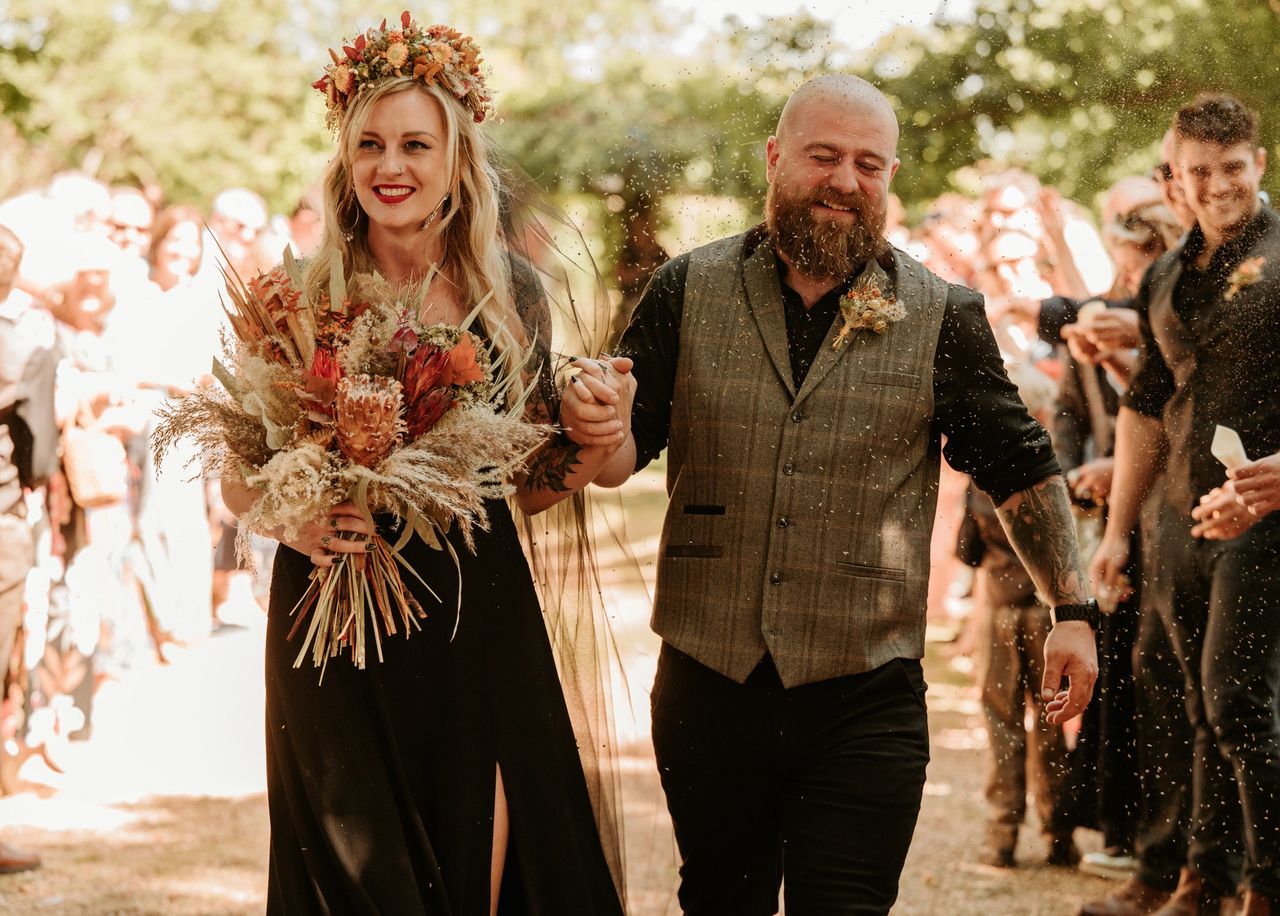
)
(444, 779)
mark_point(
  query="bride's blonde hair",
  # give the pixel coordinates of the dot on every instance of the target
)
(474, 256)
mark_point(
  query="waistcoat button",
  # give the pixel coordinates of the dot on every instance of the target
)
(788, 469)
(783, 522)
(776, 579)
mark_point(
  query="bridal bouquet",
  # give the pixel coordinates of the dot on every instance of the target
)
(353, 398)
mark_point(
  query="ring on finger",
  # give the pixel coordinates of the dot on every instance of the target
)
(326, 540)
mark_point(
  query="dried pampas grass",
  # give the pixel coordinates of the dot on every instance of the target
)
(226, 435)
(468, 458)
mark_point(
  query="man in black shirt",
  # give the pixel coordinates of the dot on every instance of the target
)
(802, 376)
(1211, 332)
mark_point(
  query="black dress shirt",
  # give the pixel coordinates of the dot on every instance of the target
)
(1235, 379)
(990, 435)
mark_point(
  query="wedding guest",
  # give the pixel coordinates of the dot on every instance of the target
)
(788, 708)
(1171, 191)
(1108, 759)
(28, 449)
(236, 218)
(306, 224)
(1210, 331)
(948, 232)
(1015, 627)
(172, 514)
(129, 223)
(176, 248)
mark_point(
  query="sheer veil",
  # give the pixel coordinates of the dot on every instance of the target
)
(560, 543)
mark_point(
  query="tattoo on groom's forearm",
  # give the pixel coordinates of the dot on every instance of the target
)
(1040, 528)
(549, 467)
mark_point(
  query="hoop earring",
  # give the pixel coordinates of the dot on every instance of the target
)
(349, 233)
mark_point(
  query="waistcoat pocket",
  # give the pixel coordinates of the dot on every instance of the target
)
(862, 571)
(887, 377)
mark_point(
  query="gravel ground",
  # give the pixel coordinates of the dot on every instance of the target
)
(163, 811)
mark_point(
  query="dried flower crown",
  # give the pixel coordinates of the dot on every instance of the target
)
(436, 54)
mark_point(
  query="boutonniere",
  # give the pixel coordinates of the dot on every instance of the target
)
(866, 308)
(1248, 273)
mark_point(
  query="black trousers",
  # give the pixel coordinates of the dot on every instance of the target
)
(1164, 748)
(1104, 764)
(1224, 604)
(822, 782)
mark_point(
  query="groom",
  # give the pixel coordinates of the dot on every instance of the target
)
(801, 377)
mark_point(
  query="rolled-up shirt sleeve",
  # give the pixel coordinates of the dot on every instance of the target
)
(990, 435)
(1152, 384)
(1056, 313)
(652, 341)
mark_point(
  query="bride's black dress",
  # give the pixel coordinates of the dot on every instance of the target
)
(381, 781)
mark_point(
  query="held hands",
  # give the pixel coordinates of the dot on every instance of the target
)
(329, 540)
(596, 407)
(1257, 485)
(1221, 516)
(1069, 650)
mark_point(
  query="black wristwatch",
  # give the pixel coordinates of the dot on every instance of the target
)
(1088, 612)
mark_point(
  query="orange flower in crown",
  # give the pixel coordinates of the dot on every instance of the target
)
(436, 54)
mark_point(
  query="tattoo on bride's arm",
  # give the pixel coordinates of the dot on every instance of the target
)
(551, 465)
(1040, 528)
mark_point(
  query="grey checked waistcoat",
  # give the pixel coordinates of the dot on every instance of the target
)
(799, 521)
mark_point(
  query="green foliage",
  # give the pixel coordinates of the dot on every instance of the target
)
(607, 98)
(190, 96)
(1077, 91)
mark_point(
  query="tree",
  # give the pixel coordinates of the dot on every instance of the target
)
(198, 95)
(654, 124)
(165, 93)
(1078, 92)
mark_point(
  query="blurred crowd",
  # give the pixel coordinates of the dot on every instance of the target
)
(109, 304)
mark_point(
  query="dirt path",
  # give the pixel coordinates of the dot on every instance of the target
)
(163, 811)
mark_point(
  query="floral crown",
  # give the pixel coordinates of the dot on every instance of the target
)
(436, 54)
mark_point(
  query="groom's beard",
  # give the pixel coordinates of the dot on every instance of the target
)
(824, 248)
